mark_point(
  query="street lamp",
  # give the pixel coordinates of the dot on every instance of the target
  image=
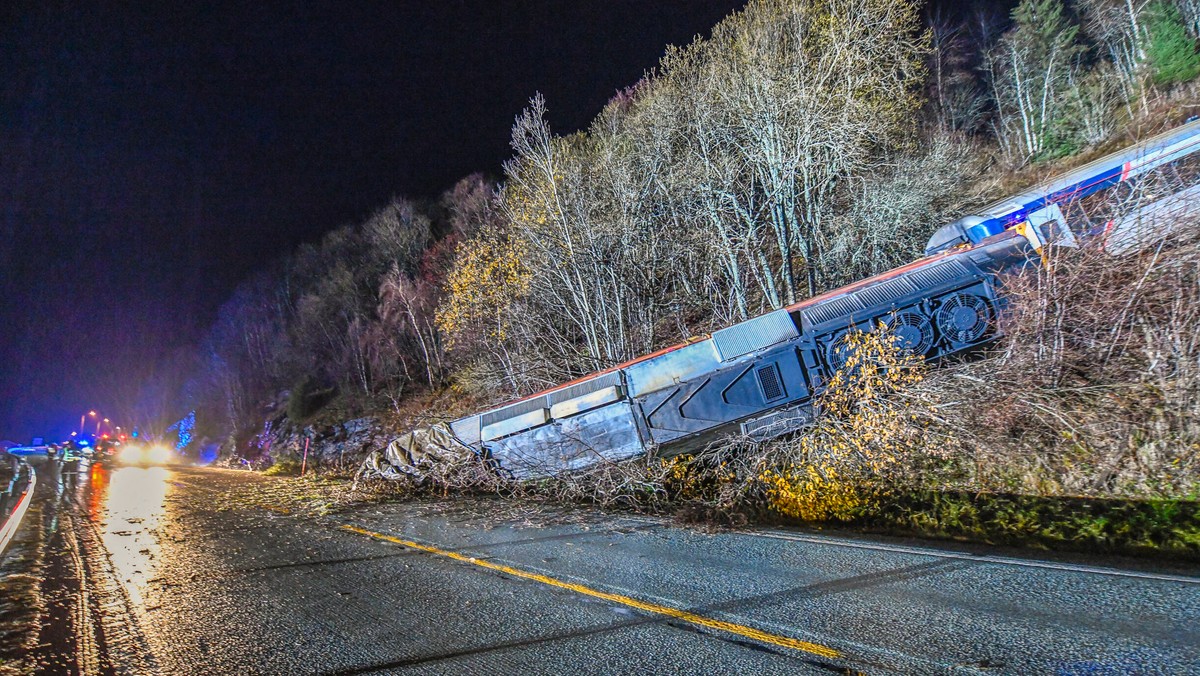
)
(83, 418)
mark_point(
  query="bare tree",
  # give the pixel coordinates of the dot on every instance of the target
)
(1117, 26)
(954, 95)
(818, 89)
(407, 307)
(891, 211)
(784, 102)
(702, 195)
(1030, 72)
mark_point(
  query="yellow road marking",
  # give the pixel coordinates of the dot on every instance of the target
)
(686, 616)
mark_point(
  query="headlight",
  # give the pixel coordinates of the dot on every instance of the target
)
(158, 455)
(130, 455)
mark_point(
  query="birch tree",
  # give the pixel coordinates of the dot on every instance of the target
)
(599, 254)
(1030, 72)
(790, 98)
(954, 95)
(891, 211)
(822, 87)
(1118, 26)
(706, 193)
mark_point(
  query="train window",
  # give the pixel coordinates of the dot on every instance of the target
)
(1094, 210)
(1171, 178)
(1098, 209)
(1183, 173)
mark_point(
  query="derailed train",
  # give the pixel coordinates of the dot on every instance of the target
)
(759, 378)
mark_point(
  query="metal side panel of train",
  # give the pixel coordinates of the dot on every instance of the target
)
(935, 308)
(1147, 223)
(757, 377)
(564, 429)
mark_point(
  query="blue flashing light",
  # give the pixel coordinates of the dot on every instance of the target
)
(185, 426)
(84, 442)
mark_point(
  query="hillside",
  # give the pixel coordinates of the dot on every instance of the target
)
(798, 148)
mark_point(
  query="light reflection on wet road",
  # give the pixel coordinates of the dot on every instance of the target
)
(216, 575)
(128, 505)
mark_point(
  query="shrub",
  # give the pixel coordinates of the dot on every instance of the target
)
(284, 467)
(306, 398)
(840, 467)
(1096, 388)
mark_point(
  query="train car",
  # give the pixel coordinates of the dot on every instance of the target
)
(1124, 198)
(759, 378)
(756, 378)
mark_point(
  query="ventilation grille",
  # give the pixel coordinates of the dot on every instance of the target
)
(777, 424)
(885, 293)
(586, 387)
(756, 334)
(513, 410)
(832, 309)
(770, 382)
(942, 273)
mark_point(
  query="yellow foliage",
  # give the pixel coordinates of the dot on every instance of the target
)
(488, 275)
(813, 494)
(863, 431)
(686, 477)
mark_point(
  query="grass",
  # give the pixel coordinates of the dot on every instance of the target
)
(1139, 527)
(284, 467)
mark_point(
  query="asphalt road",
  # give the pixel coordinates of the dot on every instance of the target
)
(156, 570)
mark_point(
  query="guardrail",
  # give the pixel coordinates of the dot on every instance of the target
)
(13, 522)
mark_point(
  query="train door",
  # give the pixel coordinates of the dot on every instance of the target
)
(1048, 226)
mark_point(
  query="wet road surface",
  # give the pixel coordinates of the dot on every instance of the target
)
(187, 570)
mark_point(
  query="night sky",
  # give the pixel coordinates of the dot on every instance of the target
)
(152, 158)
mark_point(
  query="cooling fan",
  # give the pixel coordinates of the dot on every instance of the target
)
(963, 318)
(911, 332)
(838, 351)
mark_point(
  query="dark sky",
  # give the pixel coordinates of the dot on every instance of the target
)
(151, 158)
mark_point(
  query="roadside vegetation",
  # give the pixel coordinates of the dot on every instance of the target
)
(1078, 431)
(803, 145)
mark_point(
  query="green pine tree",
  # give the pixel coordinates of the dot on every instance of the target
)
(1170, 51)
